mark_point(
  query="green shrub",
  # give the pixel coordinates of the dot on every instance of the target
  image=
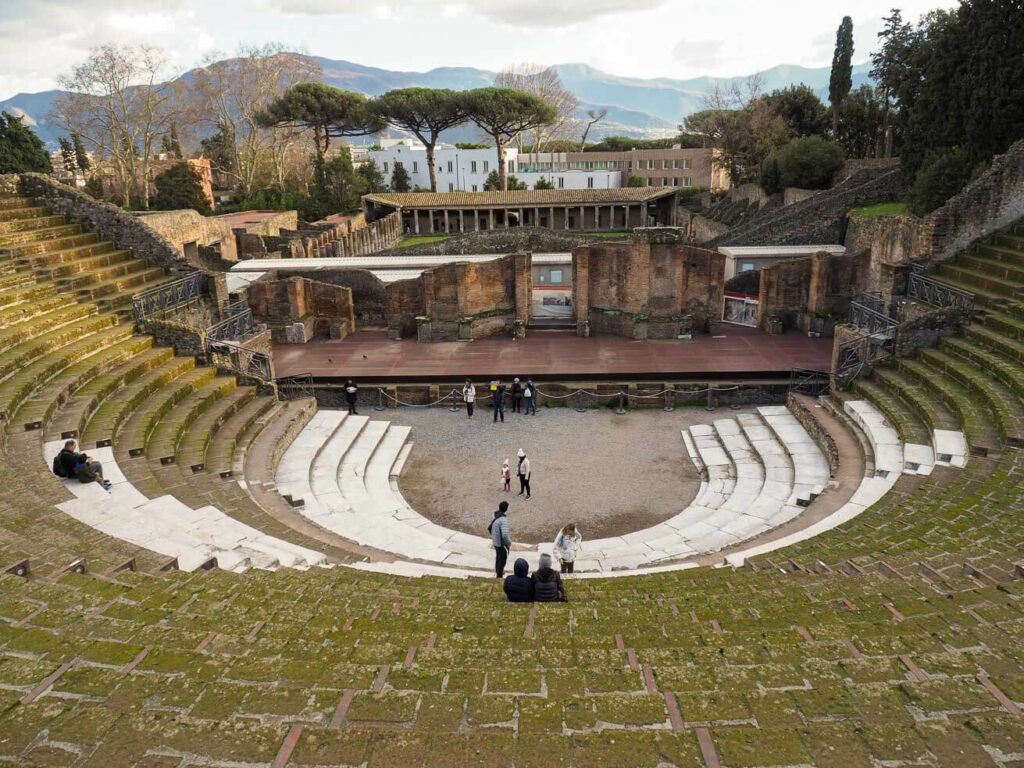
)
(943, 175)
(809, 162)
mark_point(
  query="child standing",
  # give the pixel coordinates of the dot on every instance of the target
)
(506, 476)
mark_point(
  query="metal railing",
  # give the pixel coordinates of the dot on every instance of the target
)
(241, 360)
(168, 296)
(876, 324)
(295, 387)
(939, 294)
(808, 382)
(872, 300)
(235, 327)
(858, 355)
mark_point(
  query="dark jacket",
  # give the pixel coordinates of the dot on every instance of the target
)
(69, 460)
(518, 586)
(517, 389)
(547, 586)
(498, 396)
(351, 392)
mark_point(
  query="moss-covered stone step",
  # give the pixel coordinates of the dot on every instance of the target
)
(56, 263)
(12, 279)
(72, 414)
(19, 313)
(134, 435)
(118, 406)
(120, 283)
(33, 327)
(1008, 323)
(33, 241)
(1001, 268)
(192, 446)
(15, 201)
(220, 452)
(120, 301)
(996, 341)
(17, 387)
(923, 402)
(37, 222)
(975, 420)
(1006, 370)
(36, 410)
(27, 352)
(118, 269)
(1001, 250)
(1000, 400)
(20, 293)
(168, 432)
(982, 281)
(23, 212)
(910, 427)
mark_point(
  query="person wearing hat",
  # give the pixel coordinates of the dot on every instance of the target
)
(523, 471)
(517, 396)
(547, 583)
(518, 587)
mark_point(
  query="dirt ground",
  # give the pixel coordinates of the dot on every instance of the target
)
(610, 474)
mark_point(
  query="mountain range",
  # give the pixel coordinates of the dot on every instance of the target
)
(638, 107)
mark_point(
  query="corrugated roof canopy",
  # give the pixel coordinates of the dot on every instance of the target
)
(517, 198)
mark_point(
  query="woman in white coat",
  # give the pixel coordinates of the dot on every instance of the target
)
(568, 543)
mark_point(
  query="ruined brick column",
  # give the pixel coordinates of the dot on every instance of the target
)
(523, 270)
(581, 289)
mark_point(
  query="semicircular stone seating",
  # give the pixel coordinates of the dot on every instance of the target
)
(890, 638)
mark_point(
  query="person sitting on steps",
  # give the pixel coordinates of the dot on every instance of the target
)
(518, 586)
(547, 583)
(70, 463)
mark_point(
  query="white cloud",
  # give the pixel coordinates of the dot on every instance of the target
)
(694, 53)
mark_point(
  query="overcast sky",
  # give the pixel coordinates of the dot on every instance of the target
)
(42, 39)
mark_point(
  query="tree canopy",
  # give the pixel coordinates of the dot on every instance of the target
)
(503, 113)
(329, 112)
(21, 151)
(425, 113)
(841, 78)
(179, 187)
(808, 162)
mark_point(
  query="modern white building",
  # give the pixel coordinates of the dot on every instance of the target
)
(466, 170)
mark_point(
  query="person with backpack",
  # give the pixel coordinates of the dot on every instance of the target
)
(351, 395)
(523, 472)
(567, 544)
(547, 584)
(530, 396)
(501, 538)
(69, 463)
(518, 587)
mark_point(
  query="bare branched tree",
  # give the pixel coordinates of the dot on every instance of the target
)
(121, 101)
(230, 93)
(594, 116)
(546, 84)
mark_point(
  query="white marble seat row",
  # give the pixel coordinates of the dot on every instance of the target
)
(345, 469)
(169, 527)
(890, 462)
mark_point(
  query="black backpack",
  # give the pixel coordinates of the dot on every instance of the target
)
(58, 466)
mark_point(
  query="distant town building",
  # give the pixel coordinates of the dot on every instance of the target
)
(565, 209)
(676, 167)
(466, 170)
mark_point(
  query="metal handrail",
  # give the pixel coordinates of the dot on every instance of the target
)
(168, 296)
(940, 294)
(241, 360)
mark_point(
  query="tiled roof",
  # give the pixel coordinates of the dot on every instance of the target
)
(520, 197)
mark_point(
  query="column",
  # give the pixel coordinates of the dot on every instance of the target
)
(462, 227)
(583, 218)
(597, 217)
(566, 214)
(551, 223)
(521, 222)
(446, 230)
(505, 212)
(431, 215)
(416, 220)
(490, 218)
(625, 217)
(476, 220)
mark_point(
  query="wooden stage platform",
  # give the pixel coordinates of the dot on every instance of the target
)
(741, 353)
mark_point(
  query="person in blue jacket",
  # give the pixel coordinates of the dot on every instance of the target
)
(518, 586)
(500, 538)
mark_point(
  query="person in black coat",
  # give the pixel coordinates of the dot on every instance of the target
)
(351, 395)
(517, 396)
(547, 583)
(518, 586)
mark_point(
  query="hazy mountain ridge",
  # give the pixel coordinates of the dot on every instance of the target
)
(636, 106)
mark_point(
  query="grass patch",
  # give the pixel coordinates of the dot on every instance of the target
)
(409, 242)
(881, 209)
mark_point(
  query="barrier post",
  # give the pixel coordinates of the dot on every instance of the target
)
(711, 399)
(454, 408)
(670, 399)
(380, 400)
(622, 406)
(580, 408)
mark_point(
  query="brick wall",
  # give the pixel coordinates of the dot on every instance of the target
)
(185, 227)
(651, 287)
(810, 294)
(298, 309)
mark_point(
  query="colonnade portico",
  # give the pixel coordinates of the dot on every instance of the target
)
(565, 210)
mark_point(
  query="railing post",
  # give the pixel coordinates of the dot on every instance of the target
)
(670, 398)
(711, 399)
(454, 408)
(580, 408)
(380, 400)
(622, 405)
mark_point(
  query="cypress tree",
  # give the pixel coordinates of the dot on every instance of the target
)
(841, 79)
(81, 156)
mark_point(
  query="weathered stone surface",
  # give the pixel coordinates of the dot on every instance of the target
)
(810, 293)
(297, 309)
